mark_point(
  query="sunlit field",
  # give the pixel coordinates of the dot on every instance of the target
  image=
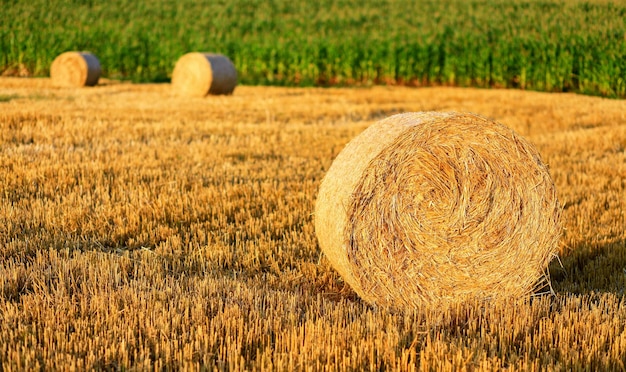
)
(144, 231)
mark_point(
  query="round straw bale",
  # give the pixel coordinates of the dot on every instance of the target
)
(75, 69)
(199, 74)
(427, 209)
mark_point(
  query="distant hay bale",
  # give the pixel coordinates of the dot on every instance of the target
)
(75, 69)
(199, 74)
(429, 208)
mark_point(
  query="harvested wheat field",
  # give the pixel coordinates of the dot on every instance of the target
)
(143, 230)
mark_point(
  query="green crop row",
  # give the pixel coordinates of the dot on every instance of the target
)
(551, 45)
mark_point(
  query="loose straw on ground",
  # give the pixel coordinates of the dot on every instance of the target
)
(424, 209)
(199, 74)
(75, 69)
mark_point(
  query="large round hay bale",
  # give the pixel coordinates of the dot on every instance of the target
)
(75, 69)
(199, 74)
(432, 208)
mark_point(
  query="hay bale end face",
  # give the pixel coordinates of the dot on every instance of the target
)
(199, 74)
(75, 69)
(427, 209)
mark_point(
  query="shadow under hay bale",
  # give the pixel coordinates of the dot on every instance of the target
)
(591, 267)
(75, 69)
(427, 209)
(200, 74)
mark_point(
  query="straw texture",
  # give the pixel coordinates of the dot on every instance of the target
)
(75, 69)
(199, 74)
(424, 209)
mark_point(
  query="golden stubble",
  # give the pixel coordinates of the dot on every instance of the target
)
(141, 230)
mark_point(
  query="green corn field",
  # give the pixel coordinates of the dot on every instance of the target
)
(555, 45)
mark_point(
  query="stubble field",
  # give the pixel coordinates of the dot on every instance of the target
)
(140, 230)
